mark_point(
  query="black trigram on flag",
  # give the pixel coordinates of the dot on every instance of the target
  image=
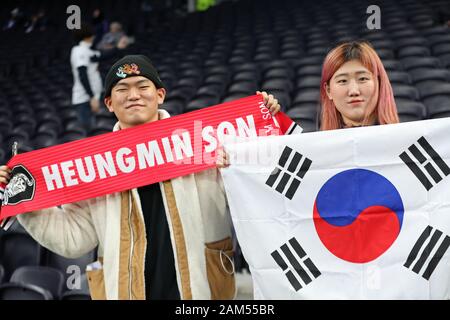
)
(290, 171)
(428, 252)
(430, 170)
(303, 266)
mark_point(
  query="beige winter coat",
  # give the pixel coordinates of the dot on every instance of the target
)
(200, 230)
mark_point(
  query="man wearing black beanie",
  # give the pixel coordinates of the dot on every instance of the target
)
(133, 91)
(167, 240)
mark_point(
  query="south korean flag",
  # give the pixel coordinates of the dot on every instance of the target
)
(360, 213)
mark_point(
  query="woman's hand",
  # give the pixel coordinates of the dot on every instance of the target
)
(270, 102)
(222, 160)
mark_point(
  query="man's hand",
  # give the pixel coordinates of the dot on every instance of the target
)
(270, 102)
(95, 104)
(5, 174)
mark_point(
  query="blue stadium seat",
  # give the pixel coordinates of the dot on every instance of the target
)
(308, 82)
(437, 100)
(405, 91)
(246, 87)
(304, 71)
(392, 65)
(233, 96)
(2, 273)
(173, 106)
(48, 278)
(411, 63)
(53, 260)
(17, 250)
(413, 51)
(44, 139)
(213, 90)
(201, 103)
(305, 117)
(410, 110)
(22, 291)
(400, 77)
(82, 293)
(278, 84)
(307, 96)
(441, 49)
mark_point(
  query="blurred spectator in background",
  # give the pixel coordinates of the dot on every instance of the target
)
(443, 16)
(38, 22)
(110, 40)
(15, 21)
(87, 82)
(100, 25)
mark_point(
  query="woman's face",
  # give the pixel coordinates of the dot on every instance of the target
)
(354, 90)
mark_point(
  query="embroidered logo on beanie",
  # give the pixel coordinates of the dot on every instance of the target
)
(127, 69)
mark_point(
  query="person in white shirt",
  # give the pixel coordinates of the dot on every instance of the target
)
(87, 82)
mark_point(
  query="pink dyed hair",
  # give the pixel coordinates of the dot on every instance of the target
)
(385, 108)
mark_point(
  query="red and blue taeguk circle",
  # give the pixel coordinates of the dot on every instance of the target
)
(358, 215)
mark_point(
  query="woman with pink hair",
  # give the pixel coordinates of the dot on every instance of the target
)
(355, 89)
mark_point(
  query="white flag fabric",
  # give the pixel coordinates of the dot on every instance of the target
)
(361, 213)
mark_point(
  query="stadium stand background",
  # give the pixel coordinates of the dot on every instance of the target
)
(204, 58)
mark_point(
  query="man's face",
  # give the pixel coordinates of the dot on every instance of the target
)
(135, 101)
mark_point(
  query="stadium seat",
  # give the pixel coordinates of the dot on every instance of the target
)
(405, 91)
(247, 87)
(284, 85)
(220, 79)
(5, 125)
(44, 139)
(50, 279)
(213, 90)
(173, 106)
(443, 37)
(180, 93)
(245, 76)
(238, 60)
(309, 71)
(307, 96)
(399, 77)
(22, 291)
(2, 156)
(17, 250)
(233, 96)
(201, 103)
(71, 136)
(305, 117)
(278, 74)
(385, 53)
(309, 82)
(413, 51)
(411, 63)
(437, 99)
(78, 294)
(441, 48)
(410, 110)
(308, 61)
(53, 260)
(425, 74)
(25, 121)
(392, 65)
(2, 273)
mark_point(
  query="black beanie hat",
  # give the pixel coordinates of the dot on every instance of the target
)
(130, 66)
